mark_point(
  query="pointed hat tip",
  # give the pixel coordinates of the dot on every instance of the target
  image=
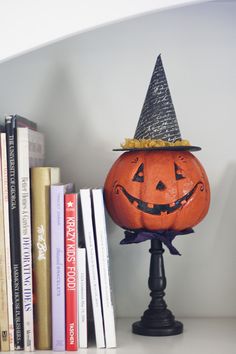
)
(159, 63)
(159, 59)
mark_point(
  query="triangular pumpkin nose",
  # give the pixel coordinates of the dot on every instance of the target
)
(160, 186)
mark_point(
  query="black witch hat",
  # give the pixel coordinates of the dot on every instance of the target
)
(157, 127)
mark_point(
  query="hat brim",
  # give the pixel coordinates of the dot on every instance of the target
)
(163, 148)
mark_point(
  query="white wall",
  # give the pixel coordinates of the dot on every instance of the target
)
(87, 93)
(26, 24)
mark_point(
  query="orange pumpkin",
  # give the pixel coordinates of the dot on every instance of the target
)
(157, 190)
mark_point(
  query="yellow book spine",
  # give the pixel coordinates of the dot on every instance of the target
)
(41, 179)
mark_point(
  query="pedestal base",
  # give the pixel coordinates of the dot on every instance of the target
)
(157, 320)
(174, 329)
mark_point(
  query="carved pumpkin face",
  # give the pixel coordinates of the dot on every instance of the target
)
(157, 190)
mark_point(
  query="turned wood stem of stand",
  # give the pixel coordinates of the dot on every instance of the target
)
(157, 314)
(157, 279)
(157, 320)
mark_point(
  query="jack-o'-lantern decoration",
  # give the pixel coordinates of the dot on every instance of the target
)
(157, 190)
(158, 185)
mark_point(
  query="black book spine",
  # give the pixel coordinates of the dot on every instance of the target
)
(11, 135)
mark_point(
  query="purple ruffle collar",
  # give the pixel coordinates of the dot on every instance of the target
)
(165, 236)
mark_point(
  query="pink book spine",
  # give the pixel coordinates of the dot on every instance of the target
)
(58, 265)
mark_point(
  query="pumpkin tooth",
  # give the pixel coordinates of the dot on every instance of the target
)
(150, 205)
(164, 213)
(183, 202)
(172, 204)
(135, 203)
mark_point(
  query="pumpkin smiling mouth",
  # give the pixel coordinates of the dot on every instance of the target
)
(158, 209)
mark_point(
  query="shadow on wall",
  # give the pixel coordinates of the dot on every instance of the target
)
(210, 259)
(221, 238)
(222, 244)
(63, 112)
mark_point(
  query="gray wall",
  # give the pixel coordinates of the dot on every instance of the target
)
(86, 93)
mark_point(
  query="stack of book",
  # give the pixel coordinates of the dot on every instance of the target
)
(44, 277)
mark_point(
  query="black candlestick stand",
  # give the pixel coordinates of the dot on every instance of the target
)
(157, 320)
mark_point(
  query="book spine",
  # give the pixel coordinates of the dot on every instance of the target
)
(24, 122)
(92, 266)
(82, 298)
(4, 326)
(25, 235)
(14, 232)
(58, 268)
(71, 239)
(36, 148)
(41, 179)
(7, 238)
(103, 260)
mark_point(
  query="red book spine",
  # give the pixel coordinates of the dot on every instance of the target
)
(71, 237)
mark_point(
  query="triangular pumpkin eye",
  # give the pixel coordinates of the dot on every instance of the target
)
(139, 176)
(178, 174)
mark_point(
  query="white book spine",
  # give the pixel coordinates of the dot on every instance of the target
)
(7, 239)
(92, 266)
(82, 299)
(103, 260)
(25, 234)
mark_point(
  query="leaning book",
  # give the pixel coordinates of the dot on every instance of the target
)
(86, 205)
(41, 180)
(104, 269)
(30, 153)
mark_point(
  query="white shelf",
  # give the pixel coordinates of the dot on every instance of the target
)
(201, 335)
